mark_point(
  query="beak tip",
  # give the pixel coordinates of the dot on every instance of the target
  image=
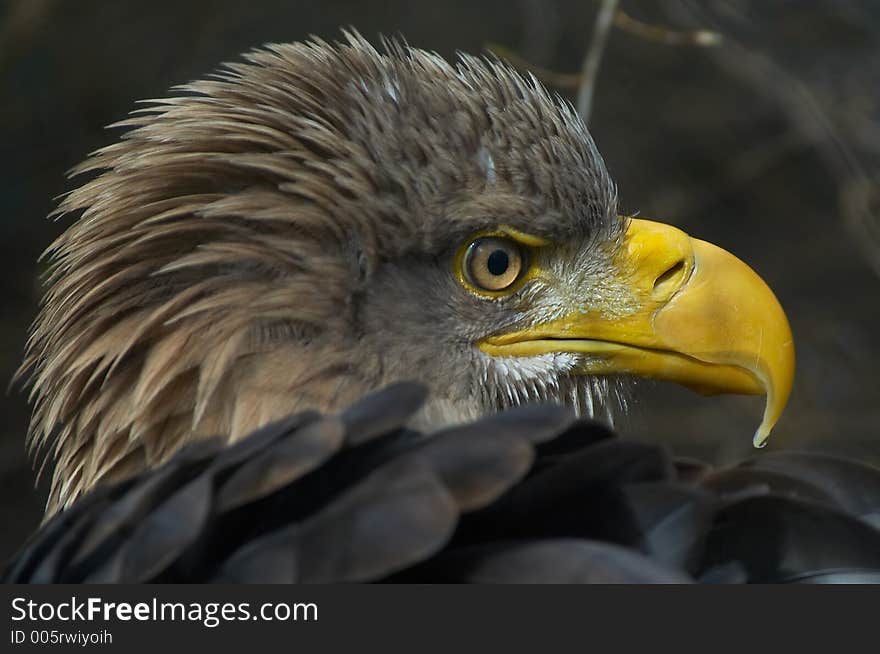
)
(760, 438)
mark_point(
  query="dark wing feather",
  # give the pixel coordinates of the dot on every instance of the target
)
(549, 561)
(282, 463)
(672, 521)
(851, 486)
(396, 516)
(776, 539)
(576, 495)
(528, 495)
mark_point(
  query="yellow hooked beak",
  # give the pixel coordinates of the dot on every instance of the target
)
(704, 319)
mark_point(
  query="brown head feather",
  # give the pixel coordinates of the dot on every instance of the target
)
(214, 279)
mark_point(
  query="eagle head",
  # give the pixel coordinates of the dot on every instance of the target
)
(323, 219)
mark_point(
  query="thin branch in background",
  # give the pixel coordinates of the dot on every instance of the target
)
(569, 81)
(799, 102)
(860, 205)
(584, 82)
(666, 36)
(593, 57)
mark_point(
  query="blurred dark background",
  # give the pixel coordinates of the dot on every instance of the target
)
(768, 144)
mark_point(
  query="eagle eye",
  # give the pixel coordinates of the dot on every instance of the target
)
(493, 263)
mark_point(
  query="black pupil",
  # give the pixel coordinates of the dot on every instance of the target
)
(498, 262)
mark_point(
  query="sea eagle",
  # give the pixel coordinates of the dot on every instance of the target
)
(273, 243)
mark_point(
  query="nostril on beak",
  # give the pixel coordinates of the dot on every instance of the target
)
(667, 282)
